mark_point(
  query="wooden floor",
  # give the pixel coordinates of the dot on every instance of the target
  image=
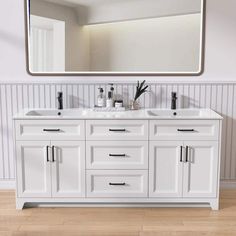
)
(118, 221)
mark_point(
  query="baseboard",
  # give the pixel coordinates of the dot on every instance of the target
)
(10, 184)
(7, 184)
(228, 184)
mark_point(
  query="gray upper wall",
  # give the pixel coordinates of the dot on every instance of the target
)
(220, 59)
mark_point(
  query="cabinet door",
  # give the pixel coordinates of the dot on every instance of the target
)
(201, 169)
(68, 168)
(33, 169)
(166, 169)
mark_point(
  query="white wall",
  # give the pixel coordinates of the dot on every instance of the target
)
(220, 67)
(163, 44)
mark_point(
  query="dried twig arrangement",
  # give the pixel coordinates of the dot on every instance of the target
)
(140, 89)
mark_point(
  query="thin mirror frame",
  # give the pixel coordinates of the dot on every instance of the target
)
(89, 73)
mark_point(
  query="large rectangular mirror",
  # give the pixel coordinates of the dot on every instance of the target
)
(115, 37)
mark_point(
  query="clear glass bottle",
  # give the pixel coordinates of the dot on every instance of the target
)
(101, 102)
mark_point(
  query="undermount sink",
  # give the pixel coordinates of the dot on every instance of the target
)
(57, 113)
(174, 113)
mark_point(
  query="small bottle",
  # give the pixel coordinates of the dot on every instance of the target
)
(101, 98)
(110, 100)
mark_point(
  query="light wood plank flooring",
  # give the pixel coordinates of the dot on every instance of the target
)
(118, 221)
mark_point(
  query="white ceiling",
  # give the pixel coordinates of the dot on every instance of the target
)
(89, 3)
(93, 3)
(102, 11)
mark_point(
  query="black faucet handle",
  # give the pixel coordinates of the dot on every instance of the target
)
(174, 95)
(59, 94)
(60, 100)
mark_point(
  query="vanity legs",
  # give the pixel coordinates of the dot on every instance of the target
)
(215, 205)
(20, 204)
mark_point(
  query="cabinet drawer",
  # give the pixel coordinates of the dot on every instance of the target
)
(50, 130)
(117, 183)
(184, 130)
(117, 130)
(117, 155)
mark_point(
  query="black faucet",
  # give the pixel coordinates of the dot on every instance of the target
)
(60, 100)
(173, 100)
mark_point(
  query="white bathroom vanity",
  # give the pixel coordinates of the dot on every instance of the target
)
(133, 158)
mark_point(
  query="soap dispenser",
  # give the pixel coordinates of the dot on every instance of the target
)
(112, 91)
(110, 101)
(101, 98)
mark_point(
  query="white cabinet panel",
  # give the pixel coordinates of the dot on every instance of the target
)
(184, 130)
(106, 160)
(116, 130)
(166, 169)
(50, 130)
(117, 183)
(33, 169)
(68, 168)
(117, 155)
(201, 169)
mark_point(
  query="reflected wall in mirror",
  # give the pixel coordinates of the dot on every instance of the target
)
(113, 37)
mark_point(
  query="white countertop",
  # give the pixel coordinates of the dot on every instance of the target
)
(142, 114)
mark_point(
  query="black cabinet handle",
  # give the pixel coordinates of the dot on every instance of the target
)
(187, 149)
(186, 130)
(117, 184)
(117, 130)
(47, 150)
(53, 153)
(181, 153)
(117, 155)
(51, 130)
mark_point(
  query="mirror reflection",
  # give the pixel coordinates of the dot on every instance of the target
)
(115, 36)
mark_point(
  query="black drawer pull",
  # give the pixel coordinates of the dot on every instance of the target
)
(187, 150)
(47, 148)
(117, 155)
(51, 130)
(181, 153)
(117, 184)
(117, 130)
(53, 153)
(186, 130)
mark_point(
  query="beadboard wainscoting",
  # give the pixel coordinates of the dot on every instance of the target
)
(16, 96)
